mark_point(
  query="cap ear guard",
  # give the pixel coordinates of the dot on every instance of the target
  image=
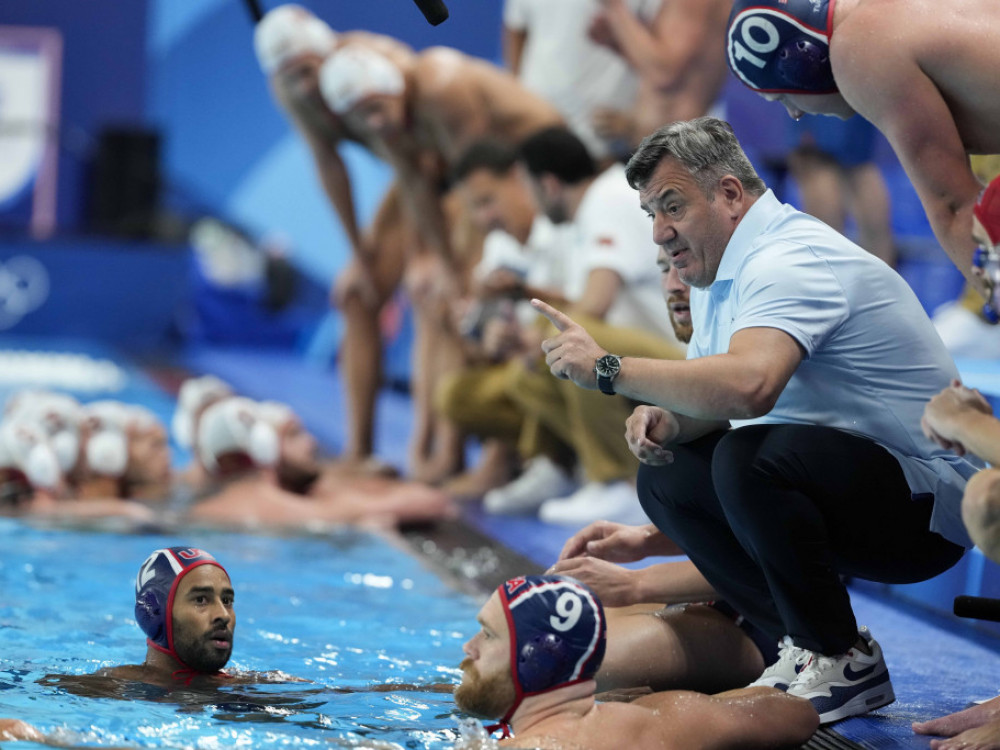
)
(805, 64)
(541, 660)
(25, 448)
(150, 614)
(42, 467)
(264, 444)
(107, 453)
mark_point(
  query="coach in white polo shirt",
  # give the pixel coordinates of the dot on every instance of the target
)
(821, 358)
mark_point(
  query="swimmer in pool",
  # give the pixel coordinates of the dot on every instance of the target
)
(532, 666)
(184, 605)
(267, 476)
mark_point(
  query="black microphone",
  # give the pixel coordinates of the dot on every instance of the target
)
(253, 6)
(434, 11)
(978, 608)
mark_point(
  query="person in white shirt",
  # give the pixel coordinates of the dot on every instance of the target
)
(612, 280)
(547, 46)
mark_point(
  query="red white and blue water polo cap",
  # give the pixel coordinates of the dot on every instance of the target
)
(155, 587)
(557, 633)
(782, 46)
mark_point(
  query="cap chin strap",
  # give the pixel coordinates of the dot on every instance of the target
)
(185, 673)
(504, 722)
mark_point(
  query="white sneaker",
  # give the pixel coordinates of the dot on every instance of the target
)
(596, 501)
(542, 480)
(781, 674)
(846, 685)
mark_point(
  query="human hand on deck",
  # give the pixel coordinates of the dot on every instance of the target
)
(355, 280)
(606, 540)
(601, 32)
(572, 353)
(945, 414)
(614, 585)
(647, 430)
(502, 282)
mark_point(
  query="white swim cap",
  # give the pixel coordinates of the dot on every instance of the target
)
(25, 448)
(353, 73)
(194, 394)
(288, 32)
(235, 425)
(58, 415)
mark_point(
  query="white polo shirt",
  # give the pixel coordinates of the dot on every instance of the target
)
(562, 65)
(872, 357)
(612, 231)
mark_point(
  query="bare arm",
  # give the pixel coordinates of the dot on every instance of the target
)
(330, 167)
(513, 48)
(911, 112)
(746, 718)
(422, 201)
(743, 383)
(603, 287)
(662, 54)
(960, 419)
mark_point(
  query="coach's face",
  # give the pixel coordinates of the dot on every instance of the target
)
(691, 227)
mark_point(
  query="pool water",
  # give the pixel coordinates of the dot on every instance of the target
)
(346, 612)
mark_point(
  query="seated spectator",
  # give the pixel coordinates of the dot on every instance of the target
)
(532, 664)
(595, 264)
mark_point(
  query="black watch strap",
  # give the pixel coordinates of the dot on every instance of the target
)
(607, 369)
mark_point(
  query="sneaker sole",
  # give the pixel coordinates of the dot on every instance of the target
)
(841, 704)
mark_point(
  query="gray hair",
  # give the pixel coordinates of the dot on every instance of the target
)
(706, 146)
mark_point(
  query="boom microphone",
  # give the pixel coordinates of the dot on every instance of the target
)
(978, 608)
(253, 6)
(434, 11)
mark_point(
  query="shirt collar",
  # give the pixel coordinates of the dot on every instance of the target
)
(753, 223)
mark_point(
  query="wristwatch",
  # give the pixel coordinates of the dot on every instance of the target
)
(607, 369)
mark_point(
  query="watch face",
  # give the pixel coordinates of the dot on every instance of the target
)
(608, 366)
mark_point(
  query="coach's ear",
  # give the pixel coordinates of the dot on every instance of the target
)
(732, 192)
